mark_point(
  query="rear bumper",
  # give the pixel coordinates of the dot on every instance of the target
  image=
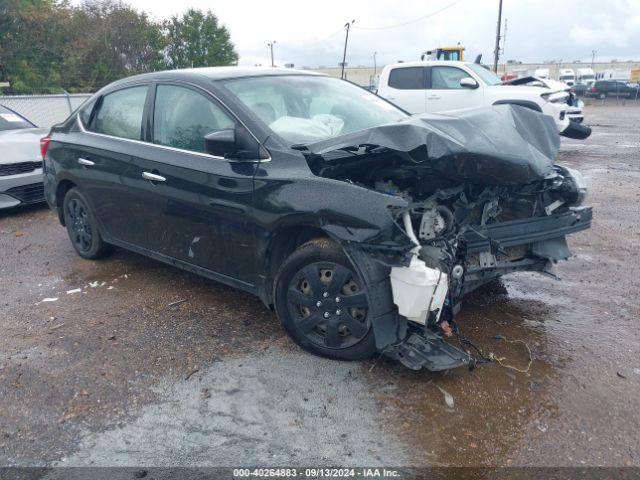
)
(21, 189)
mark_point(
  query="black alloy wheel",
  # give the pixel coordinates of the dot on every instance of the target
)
(80, 227)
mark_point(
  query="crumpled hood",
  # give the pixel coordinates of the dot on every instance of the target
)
(21, 145)
(546, 83)
(497, 145)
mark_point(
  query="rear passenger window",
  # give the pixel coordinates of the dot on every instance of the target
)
(182, 118)
(407, 78)
(120, 113)
(85, 112)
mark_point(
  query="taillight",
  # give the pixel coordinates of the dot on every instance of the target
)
(44, 146)
(593, 90)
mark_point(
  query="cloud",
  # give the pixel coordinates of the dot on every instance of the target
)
(312, 33)
(607, 33)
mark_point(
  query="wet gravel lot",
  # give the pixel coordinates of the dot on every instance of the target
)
(118, 374)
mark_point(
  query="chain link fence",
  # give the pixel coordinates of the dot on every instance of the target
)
(44, 110)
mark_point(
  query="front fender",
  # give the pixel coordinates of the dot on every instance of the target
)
(346, 212)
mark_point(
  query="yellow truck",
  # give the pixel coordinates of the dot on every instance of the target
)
(444, 53)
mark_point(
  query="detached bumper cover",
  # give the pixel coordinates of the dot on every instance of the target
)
(429, 351)
(576, 130)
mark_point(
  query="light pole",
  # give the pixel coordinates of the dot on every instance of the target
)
(346, 39)
(372, 78)
(496, 51)
(559, 67)
(270, 45)
(593, 57)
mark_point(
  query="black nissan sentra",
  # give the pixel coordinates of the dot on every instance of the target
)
(362, 226)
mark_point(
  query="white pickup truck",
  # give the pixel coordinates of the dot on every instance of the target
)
(445, 86)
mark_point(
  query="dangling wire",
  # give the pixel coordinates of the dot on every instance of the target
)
(500, 360)
(492, 357)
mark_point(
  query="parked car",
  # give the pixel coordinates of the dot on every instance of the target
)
(580, 89)
(362, 226)
(611, 88)
(20, 162)
(438, 87)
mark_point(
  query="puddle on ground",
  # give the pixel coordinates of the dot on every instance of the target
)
(496, 409)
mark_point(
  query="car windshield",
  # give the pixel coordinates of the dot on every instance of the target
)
(487, 76)
(10, 120)
(305, 109)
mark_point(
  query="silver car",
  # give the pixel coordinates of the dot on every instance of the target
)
(20, 160)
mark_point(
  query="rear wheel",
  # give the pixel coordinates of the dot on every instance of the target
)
(82, 226)
(324, 304)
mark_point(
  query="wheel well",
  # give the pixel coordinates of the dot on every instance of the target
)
(283, 244)
(61, 190)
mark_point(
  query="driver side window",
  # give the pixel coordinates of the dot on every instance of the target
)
(447, 78)
(182, 118)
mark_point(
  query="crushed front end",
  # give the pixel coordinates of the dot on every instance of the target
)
(483, 196)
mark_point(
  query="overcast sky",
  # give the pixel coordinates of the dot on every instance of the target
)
(311, 33)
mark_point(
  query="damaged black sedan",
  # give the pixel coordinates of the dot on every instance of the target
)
(362, 226)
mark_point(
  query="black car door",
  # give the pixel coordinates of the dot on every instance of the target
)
(193, 204)
(100, 156)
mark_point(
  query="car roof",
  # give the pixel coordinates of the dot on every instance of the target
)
(217, 73)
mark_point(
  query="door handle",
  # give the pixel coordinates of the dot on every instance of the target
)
(434, 97)
(153, 177)
(85, 162)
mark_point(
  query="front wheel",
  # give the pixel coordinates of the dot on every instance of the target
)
(324, 304)
(82, 226)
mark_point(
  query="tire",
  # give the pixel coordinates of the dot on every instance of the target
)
(82, 227)
(327, 314)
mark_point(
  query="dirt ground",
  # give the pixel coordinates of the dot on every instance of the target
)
(116, 374)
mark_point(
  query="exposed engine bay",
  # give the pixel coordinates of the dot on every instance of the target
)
(479, 204)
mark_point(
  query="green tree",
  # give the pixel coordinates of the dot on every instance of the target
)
(32, 43)
(197, 40)
(110, 40)
(46, 45)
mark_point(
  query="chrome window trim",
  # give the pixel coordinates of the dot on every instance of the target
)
(174, 149)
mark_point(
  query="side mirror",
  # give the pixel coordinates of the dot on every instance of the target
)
(234, 144)
(221, 143)
(468, 82)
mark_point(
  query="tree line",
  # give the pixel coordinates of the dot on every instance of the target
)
(49, 45)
